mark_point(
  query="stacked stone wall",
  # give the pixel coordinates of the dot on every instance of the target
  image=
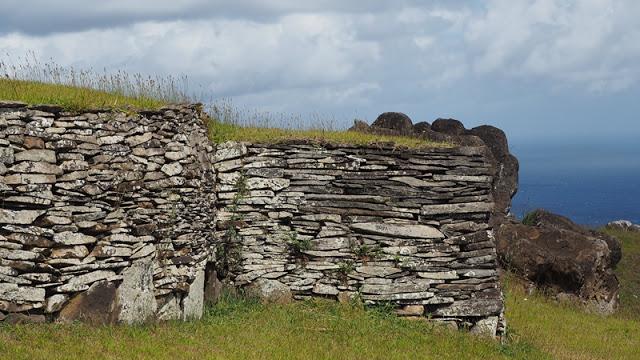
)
(104, 215)
(405, 227)
(114, 216)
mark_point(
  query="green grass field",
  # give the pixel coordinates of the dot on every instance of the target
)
(538, 328)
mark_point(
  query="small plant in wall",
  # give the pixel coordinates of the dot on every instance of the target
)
(228, 250)
(298, 246)
(345, 268)
(366, 252)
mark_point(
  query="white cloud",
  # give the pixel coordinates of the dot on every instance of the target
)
(231, 56)
(424, 42)
(336, 56)
(590, 43)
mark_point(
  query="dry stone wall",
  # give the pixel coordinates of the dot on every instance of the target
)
(409, 228)
(104, 215)
(110, 216)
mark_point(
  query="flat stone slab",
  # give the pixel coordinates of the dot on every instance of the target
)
(37, 155)
(472, 307)
(19, 217)
(72, 238)
(475, 207)
(15, 293)
(394, 230)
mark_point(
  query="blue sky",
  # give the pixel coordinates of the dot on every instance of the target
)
(543, 70)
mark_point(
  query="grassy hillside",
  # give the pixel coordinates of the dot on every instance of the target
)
(628, 272)
(240, 329)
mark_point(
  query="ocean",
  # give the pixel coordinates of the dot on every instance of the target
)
(591, 183)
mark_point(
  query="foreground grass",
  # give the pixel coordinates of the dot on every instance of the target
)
(71, 97)
(567, 332)
(539, 328)
(221, 131)
(247, 330)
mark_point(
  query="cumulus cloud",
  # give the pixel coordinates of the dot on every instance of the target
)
(589, 43)
(228, 57)
(347, 57)
(43, 16)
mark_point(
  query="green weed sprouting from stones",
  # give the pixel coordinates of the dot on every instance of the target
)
(344, 269)
(397, 259)
(228, 253)
(366, 252)
(298, 246)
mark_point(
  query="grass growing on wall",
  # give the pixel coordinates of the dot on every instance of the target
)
(221, 132)
(71, 97)
(232, 123)
(33, 82)
(29, 80)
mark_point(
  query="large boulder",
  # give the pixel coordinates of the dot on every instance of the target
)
(448, 126)
(421, 127)
(543, 218)
(561, 257)
(399, 123)
(98, 305)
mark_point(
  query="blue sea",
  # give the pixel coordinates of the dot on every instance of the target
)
(591, 183)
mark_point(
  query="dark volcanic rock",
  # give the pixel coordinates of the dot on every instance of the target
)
(506, 183)
(448, 126)
(396, 121)
(98, 305)
(421, 127)
(543, 218)
(495, 139)
(562, 257)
